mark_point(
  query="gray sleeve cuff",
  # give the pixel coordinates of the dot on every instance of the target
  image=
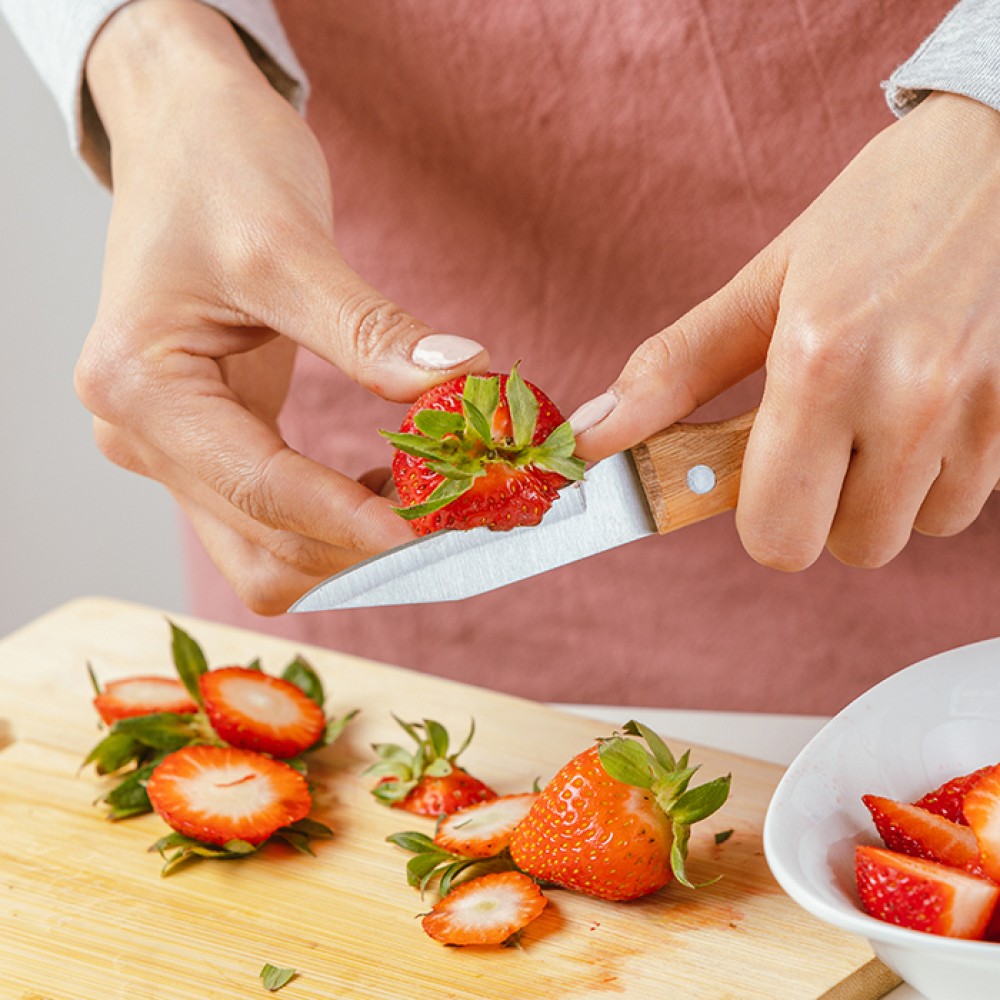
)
(962, 56)
(57, 37)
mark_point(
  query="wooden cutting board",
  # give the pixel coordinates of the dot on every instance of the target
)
(85, 915)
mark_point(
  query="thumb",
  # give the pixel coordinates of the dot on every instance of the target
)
(321, 302)
(715, 345)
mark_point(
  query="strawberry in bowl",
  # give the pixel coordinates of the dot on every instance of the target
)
(481, 451)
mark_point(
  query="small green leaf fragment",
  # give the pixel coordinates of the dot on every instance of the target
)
(94, 683)
(255, 664)
(698, 803)
(113, 753)
(129, 797)
(413, 841)
(310, 828)
(301, 673)
(335, 727)
(722, 836)
(159, 730)
(274, 977)
(189, 660)
(438, 737)
(569, 468)
(655, 743)
(523, 406)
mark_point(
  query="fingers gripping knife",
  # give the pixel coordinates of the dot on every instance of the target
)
(679, 476)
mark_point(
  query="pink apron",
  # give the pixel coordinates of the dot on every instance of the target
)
(560, 180)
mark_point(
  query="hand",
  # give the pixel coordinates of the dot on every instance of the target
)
(220, 260)
(877, 316)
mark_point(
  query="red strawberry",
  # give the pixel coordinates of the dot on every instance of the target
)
(485, 910)
(255, 711)
(426, 781)
(923, 895)
(614, 822)
(478, 451)
(982, 810)
(922, 834)
(947, 800)
(134, 696)
(218, 794)
(482, 830)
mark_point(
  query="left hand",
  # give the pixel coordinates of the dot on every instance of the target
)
(877, 316)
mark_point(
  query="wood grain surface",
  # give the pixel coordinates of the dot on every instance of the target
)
(85, 915)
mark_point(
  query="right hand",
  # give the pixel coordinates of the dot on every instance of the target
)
(220, 259)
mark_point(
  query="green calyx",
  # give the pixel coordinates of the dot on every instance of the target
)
(430, 862)
(459, 446)
(401, 770)
(668, 779)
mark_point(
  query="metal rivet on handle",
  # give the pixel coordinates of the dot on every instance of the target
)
(701, 479)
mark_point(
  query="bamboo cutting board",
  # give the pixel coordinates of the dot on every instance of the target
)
(85, 915)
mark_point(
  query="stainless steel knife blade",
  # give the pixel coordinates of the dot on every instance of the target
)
(606, 510)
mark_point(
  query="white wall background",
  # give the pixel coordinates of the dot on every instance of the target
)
(71, 524)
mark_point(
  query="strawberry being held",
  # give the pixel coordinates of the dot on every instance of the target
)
(614, 822)
(479, 451)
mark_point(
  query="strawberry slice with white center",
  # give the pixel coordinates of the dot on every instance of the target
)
(255, 711)
(485, 910)
(913, 830)
(217, 794)
(947, 799)
(483, 830)
(134, 696)
(923, 895)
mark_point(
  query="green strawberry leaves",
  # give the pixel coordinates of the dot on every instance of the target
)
(189, 660)
(273, 977)
(656, 769)
(459, 446)
(430, 862)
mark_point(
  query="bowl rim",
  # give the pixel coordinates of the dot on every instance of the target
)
(856, 920)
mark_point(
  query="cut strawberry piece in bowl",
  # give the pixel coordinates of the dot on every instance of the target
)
(485, 910)
(483, 830)
(220, 794)
(255, 711)
(947, 799)
(982, 811)
(923, 895)
(134, 696)
(911, 829)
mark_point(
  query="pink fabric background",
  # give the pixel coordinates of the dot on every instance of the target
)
(560, 180)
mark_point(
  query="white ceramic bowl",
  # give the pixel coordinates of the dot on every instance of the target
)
(918, 728)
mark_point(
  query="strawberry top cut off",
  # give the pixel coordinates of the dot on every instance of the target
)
(481, 451)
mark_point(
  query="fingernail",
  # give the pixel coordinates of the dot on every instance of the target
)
(444, 350)
(592, 412)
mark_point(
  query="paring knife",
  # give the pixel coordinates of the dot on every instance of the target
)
(677, 477)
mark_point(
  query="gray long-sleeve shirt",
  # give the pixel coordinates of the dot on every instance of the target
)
(962, 56)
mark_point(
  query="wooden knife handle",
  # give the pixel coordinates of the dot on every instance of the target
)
(692, 471)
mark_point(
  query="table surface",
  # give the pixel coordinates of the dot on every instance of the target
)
(775, 738)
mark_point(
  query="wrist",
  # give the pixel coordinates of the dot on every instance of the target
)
(153, 56)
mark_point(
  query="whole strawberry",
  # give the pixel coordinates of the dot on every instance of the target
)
(614, 822)
(481, 451)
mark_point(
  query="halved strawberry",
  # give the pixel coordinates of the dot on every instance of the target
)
(923, 895)
(132, 696)
(485, 910)
(488, 450)
(426, 781)
(219, 794)
(947, 799)
(255, 711)
(982, 811)
(912, 830)
(482, 830)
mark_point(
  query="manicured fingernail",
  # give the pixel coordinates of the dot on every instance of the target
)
(593, 412)
(444, 350)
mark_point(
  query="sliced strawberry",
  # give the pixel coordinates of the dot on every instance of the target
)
(923, 895)
(982, 811)
(255, 711)
(218, 794)
(912, 830)
(426, 781)
(947, 799)
(482, 830)
(132, 696)
(485, 910)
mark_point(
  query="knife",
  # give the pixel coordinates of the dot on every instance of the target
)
(677, 477)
